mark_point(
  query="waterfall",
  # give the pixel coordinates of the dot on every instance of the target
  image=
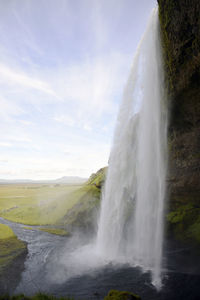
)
(131, 219)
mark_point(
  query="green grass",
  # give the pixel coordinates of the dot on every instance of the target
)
(28, 228)
(56, 231)
(6, 232)
(39, 296)
(10, 247)
(43, 204)
(98, 178)
(36, 204)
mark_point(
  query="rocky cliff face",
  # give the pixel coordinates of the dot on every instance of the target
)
(180, 33)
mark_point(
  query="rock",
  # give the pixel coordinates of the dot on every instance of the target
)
(180, 33)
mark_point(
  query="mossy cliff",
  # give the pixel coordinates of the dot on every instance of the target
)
(180, 34)
(84, 213)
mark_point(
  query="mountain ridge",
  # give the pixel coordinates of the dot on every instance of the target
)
(60, 180)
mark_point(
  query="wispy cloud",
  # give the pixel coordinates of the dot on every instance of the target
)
(94, 86)
(62, 72)
(11, 76)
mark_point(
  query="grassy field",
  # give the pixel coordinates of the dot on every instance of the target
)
(37, 204)
(5, 232)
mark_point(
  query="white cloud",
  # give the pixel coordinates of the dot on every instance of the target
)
(9, 109)
(61, 81)
(80, 159)
(11, 76)
(5, 144)
(65, 119)
(87, 127)
(25, 122)
(20, 139)
(89, 90)
(81, 163)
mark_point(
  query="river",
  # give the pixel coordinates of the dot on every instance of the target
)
(181, 274)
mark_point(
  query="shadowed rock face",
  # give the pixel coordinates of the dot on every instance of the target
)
(180, 22)
(180, 30)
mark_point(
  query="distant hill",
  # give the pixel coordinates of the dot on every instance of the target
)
(62, 180)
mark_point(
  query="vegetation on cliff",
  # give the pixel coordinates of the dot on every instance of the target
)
(84, 213)
(112, 295)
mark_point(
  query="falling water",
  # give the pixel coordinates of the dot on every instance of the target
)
(131, 220)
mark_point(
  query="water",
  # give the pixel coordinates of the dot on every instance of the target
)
(131, 219)
(181, 280)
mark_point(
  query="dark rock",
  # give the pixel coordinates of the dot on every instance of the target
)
(180, 33)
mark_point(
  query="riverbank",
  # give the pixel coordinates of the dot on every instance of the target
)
(12, 256)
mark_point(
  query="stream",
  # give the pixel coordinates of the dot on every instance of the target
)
(181, 277)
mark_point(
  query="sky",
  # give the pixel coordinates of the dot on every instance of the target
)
(63, 67)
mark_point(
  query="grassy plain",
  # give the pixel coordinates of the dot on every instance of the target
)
(37, 204)
(6, 232)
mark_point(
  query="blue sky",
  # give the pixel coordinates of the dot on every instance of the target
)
(63, 67)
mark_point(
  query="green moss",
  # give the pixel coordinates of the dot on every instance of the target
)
(121, 295)
(194, 230)
(183, 219)
(180, 214)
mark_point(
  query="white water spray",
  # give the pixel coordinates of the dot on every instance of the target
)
(131, 219)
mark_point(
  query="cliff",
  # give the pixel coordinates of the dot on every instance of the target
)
(180, 34)
(84, 214)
